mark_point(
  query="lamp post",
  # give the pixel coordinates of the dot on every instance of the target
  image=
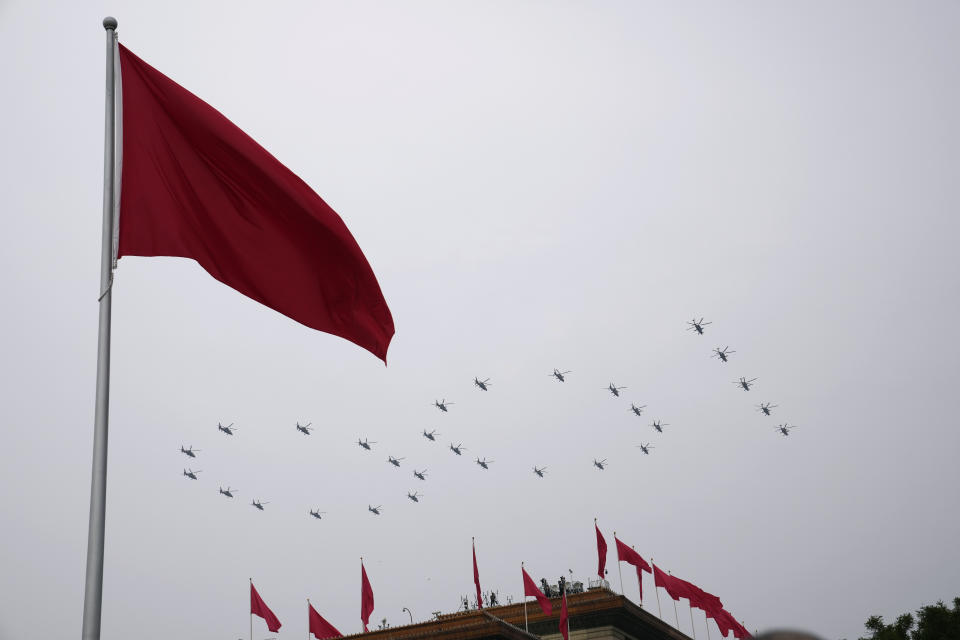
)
(410, 614)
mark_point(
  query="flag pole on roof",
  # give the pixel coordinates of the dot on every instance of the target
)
(619, 570)
(93, 582)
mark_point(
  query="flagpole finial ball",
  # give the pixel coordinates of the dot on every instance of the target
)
(110, 23)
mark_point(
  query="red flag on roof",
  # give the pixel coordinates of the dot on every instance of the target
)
(563, 617)
(675, 587)
(727, 623)
(195, 186)
(530, 589)
(259, 608)
(476, 577)
(601, 551)
(628, 555)
(701, 599)
(366, 597)
(319, 627)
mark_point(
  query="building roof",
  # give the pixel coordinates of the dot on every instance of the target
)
(591, 609)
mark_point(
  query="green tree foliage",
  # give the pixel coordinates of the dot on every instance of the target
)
(932, 622)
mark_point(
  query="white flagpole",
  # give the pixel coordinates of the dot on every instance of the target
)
(251, 611)
(706, 623)
(675, 614)
(691, 621)
(656, 590)
(639, 580)
(308, 618)
(526, 627)
(93, 585)
(619, 569)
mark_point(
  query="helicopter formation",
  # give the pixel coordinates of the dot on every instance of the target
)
(724, 354)
(443, 405)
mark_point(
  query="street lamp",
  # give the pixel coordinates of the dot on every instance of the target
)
(411, 615)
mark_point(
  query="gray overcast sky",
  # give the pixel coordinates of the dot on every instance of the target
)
(536, 185)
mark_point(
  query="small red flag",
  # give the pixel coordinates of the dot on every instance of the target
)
(319, 627)
(563, 617)
(530, 589)
(628, 555)
(366, 597)
(601, 552)
(476, 577)
(259, 608)
(195, 186)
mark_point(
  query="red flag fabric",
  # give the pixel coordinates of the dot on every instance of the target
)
(727, 623)
(675, 587)
(195, 186)
(563, 617)
(700, 598)
(319, 627)
(530, 589)
(601, 552)
(628, 555)
(476, 578)
(259, 608)
(678, 588)
(366, 598)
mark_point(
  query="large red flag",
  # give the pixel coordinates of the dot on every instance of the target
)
(319, 627)
(530, 589)
(563, 616)
(195, 186)
(476, 577)
(601, 552)
(628, 555)
(366, 597)
(259, 608)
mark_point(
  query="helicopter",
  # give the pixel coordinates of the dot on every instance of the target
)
(190, 473)
(614, 389)
(746, 384)
(227, 492)
(365, 443)
(229, 429)
(258, 504)
(645, 448)
(316, 514)
(422, 475)
(600, 465)
(483, 463)
(375, 510)
(658, 425)
(457, 449)
(637, 410)
(483, 384)
(539, 471)
(305, 429)
(394, 461)
(765, 408)
(415, 496)
(723, 353)
(697, 326)
(785, 429)
(190, 451)
(429, 435)
(559, 374)
(442, 405)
